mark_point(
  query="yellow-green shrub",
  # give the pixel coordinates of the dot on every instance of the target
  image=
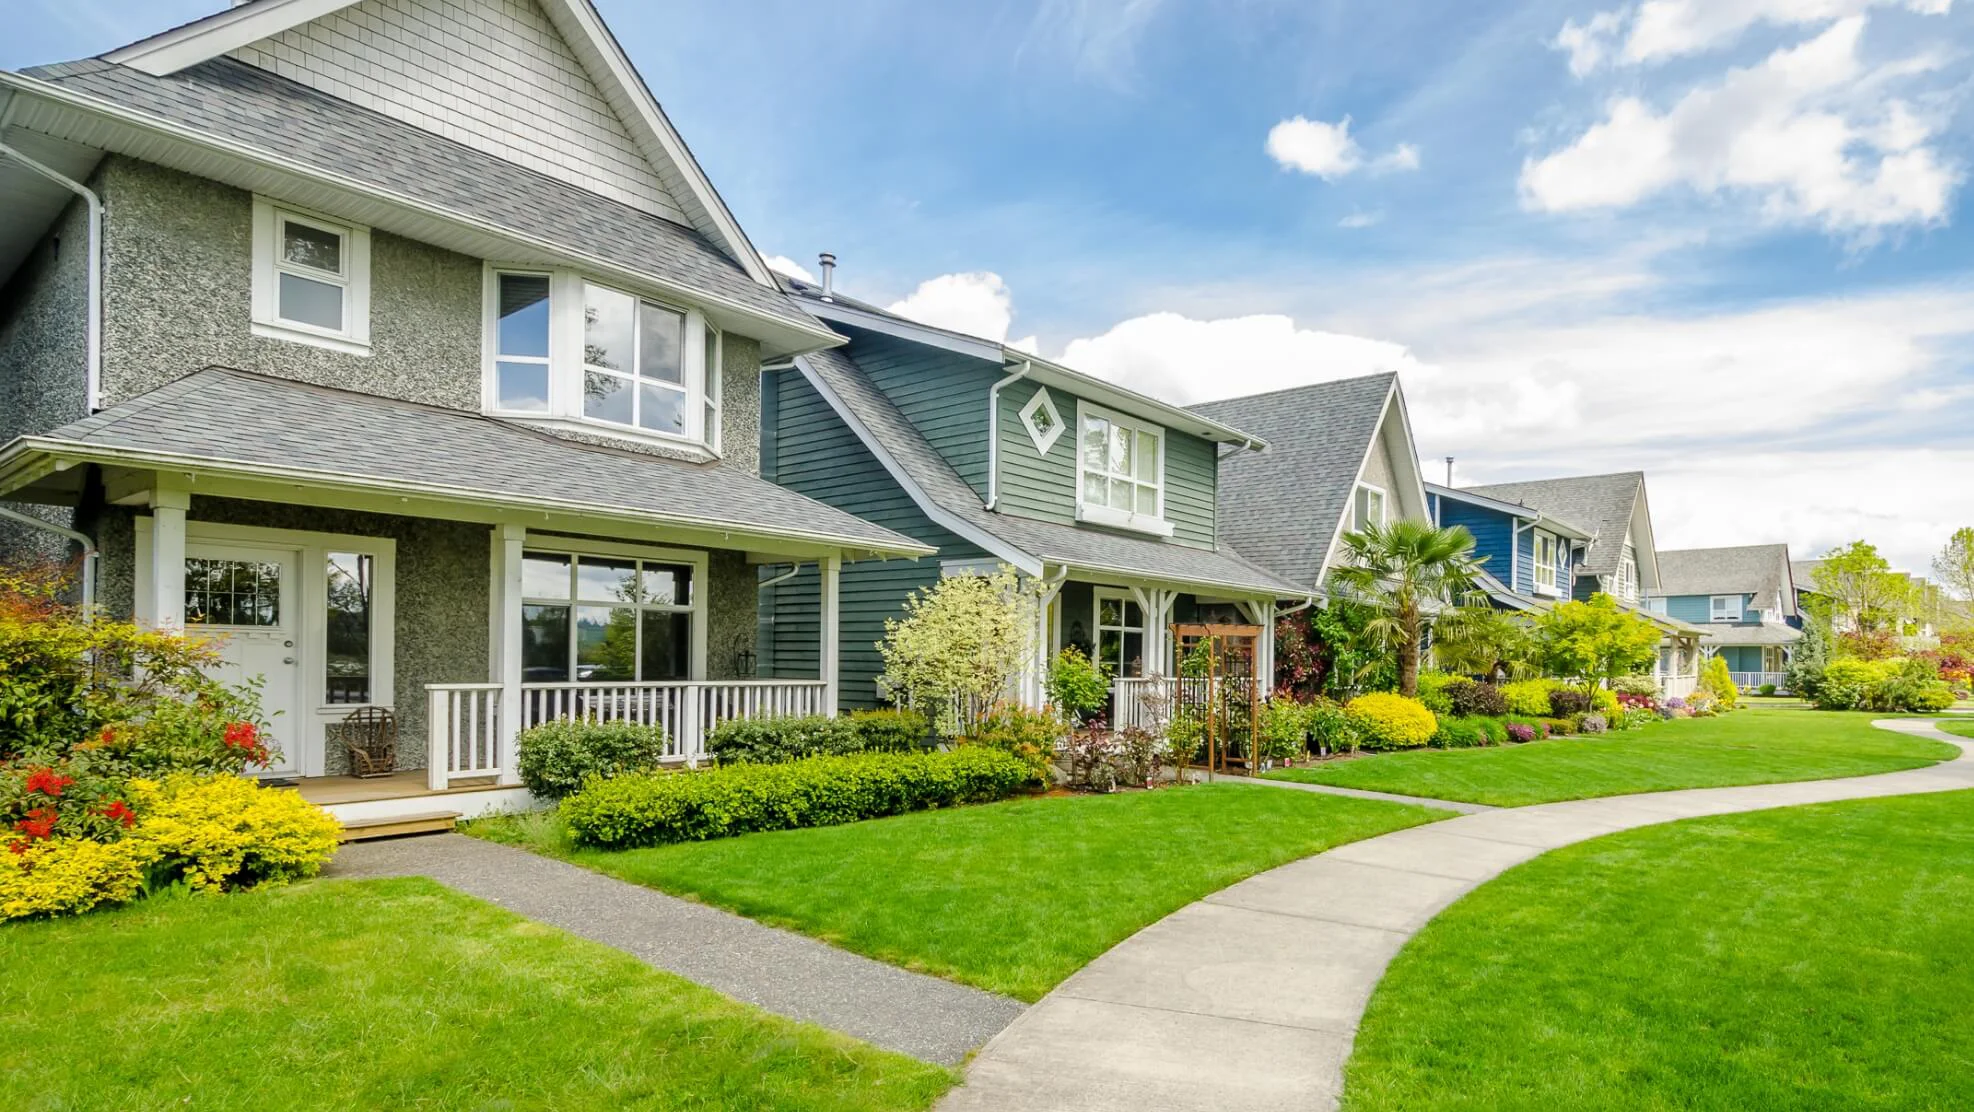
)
(1528, 697)
(68, 876)
(1389, 721)
(1715, 680)
(1605, 702)
(225, 832)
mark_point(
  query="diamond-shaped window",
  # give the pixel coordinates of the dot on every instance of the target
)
(1043, 422)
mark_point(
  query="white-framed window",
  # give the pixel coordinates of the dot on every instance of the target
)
(1724, 608)
(1545, 562)
(1659, 605)
(1628, 574)
(562, 348)
(596, 618)
(1120, 472)
(1367, 506)
(1042, 420)
(1120, 629)
(311, 278)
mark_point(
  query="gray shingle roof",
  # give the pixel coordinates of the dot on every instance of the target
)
(233, 101)
(1597, 504)
(1758, 569)
(1766, 633)
(246, 421)
(1046, 541)
(1282, 506)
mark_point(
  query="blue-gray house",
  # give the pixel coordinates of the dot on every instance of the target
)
(1745, 599)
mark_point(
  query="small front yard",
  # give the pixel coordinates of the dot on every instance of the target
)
(1011, 897)
(1808, 957)
(1760, 745)
(393, 994)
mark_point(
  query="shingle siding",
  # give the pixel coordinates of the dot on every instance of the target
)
(498, 77)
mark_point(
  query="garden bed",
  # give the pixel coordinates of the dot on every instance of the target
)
(1011, 897)
(1753, 746)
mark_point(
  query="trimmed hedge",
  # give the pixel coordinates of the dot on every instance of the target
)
(791, 737)
(1474, 700)
(1386, 720)
(556, 757)
(658, 808)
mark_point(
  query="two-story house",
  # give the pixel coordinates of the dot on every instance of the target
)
(403, 346)
(1611, 518)
(1340, 456)
(1745, 600)
(998, 457)
(1529, 559)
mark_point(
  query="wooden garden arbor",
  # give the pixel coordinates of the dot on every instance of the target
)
(1219, 688)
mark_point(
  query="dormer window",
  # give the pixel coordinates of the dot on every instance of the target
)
(311, 279)
(562, 347)
(1120, 472)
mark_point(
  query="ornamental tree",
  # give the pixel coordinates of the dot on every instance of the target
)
(1597, 640)
(966, 638)
(1399, 571)
(1862, 590)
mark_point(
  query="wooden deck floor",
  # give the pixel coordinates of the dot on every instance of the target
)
(325, 791)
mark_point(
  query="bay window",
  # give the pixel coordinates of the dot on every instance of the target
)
(1120, 473)
(560, 347)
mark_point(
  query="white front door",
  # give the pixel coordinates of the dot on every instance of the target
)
(248, 597)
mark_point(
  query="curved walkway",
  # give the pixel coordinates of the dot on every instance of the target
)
(1250, 998)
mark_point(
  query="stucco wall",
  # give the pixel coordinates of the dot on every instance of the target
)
(44, 317)
(732, 602)
(178, 296)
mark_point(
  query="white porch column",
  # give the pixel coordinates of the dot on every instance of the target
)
(828, 650)
(1035, 681)
(1264, 650)
(505, 651)
(168, 505)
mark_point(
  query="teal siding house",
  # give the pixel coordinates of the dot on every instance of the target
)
(996, 457)
(1745, 598)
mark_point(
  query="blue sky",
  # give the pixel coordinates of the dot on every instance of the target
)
(1724, 241)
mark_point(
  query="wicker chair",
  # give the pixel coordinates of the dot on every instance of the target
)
(370, 735)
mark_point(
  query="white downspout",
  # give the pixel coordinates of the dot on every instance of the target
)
(89, 553)
(94, 389)
(994, 433)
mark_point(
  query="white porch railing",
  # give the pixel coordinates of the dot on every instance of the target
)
(1678, 686)
(1752, 681)
(1133, 699)
(464, 732)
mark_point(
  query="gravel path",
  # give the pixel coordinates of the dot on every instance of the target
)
(785, 973)
(1250, 998)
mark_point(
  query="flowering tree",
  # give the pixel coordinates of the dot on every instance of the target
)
(965, 639)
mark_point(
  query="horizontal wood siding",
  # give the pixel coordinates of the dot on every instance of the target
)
(943, 393)
(810, 450)
(1493, 540)
(1690, 608)
(1043, 486)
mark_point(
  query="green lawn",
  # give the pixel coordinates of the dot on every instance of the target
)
(1760, 745)
(1012, 897)
(1961, 727)
(1811, 957)
(393, 994)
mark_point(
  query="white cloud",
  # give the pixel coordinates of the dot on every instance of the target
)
(1808, 131)
(976, 303)
(1361, 219)
(1185, 361)
(1328, 151)
(782, 264)
(1662, 29)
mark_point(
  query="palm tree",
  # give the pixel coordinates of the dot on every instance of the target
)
(1400, 570)
(1476, 639)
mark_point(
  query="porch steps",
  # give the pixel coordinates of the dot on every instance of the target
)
(426, 822)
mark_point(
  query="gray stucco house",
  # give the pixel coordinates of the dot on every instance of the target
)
(404, 347)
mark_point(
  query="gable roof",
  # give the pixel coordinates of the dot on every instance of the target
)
(1022, 542)
(1758, 569)
(1511, 509)
(1283, 507)
(1600, 505)
(852, 313)
(318, 436)
(354, 156)
(580, 26)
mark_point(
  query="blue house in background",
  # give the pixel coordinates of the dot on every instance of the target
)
(1531, 558)
(1746, 600)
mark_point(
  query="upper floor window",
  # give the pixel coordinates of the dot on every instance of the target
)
(1724, 608)
(1367, 506)
(1545, 562)
(311, 279)
(1628, 575)
(1120, 472)
(562, 347)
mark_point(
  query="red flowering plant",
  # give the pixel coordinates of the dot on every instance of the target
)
(61, 797)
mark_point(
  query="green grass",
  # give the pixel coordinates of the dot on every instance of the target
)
(393, 994)
(1011, 897)
(1961, 727)
(1804, 958)
(1761, 745)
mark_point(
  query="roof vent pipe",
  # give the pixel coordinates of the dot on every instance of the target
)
(1449, 471)
(828, 263)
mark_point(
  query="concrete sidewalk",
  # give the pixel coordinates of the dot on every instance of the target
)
(782, 972)
(1250, 998)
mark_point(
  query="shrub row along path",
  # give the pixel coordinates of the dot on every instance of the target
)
(785, 973)
(1251, 997)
